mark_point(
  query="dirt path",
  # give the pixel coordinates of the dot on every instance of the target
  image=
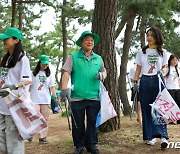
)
(127, 140)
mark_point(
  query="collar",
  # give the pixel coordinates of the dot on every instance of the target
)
(82, 54)
(85, 54)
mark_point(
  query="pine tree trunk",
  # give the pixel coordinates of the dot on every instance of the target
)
(20, 14)
(142, 31)
(14, 4)
(104, 21)
(64, 33)
(123, 67)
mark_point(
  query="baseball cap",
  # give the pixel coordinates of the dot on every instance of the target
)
(44, 59)
(11, 32)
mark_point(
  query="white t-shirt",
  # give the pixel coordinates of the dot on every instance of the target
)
(151, 58)
(172, 80)
(41, 96)
(132, 72)
(20, 72)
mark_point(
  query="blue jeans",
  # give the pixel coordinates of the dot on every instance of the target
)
(149, 89)
(85, 136)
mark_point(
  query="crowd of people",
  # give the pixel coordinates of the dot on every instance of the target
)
(85, 69)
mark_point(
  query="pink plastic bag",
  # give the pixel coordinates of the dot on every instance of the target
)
(28, 120)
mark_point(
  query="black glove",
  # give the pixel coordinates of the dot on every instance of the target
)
(4, 93)
(65, 94)
(11, 87)
(100, 76)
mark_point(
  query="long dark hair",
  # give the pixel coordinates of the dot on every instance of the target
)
(37, 69)
(16, 56)
(169, 64)
(157, 35)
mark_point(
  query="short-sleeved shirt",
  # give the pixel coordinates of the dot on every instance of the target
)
(172, 79)
(132, 72)
(149, 59)
(20, 72)
(42, 95)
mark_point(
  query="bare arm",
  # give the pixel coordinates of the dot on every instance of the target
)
(23, 83)
(65, 79)
(137, 73)
(104, 73)
(164, 68)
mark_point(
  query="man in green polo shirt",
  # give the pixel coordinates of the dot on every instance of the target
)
(86, 69)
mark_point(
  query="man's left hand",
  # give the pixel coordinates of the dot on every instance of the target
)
(100, 76)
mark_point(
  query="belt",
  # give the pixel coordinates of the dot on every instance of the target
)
(150, 76)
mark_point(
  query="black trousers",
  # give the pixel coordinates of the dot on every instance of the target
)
(175, 93)
(85, 135)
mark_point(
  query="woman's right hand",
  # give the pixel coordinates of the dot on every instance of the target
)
(134, 80)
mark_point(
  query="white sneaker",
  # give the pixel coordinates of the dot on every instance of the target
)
(164, 143)
(151, 142)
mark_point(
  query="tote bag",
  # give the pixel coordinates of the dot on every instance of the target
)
(28, 120)
(107, 110)
(165, 106)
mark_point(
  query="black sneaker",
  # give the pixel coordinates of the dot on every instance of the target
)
(30, 139)
(78, 150)
(178, 122)
(43, 140)
(172, 123)
(92, 149)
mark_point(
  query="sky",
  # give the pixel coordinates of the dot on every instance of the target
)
(47, 25)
